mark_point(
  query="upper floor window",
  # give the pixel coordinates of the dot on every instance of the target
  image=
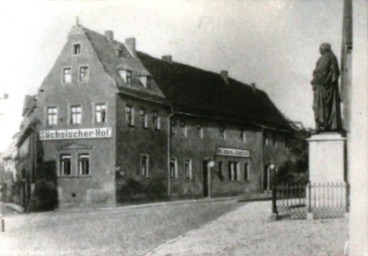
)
(65, 165)
(173, 127)
(222, 133)
(76, 114)
(173, 168)
(183, 129)
(188, 169)
(76, 49)
(67, 75)
(200, 131)
(243, 136)
(83, 164)
(145, 165)
(83, 74)
(100, 113)
(129, 115)
(143, 118)
(156, 121)
(52, 113)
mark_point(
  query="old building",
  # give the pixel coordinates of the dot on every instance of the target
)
(115, 125)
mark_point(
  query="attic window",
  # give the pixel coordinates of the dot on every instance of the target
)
(119, 52)
(146, 81)
(126, 75)
(76, 49)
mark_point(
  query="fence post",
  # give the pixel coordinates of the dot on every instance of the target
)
(309, 196)
(347, 197)
(274, 206)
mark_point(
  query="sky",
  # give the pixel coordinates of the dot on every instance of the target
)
(273, 43)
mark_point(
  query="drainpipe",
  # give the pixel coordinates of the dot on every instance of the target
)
(169, 150)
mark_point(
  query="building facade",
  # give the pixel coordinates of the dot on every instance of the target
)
(113, 125)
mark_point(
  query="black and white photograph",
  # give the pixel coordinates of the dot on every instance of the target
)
(184, 127)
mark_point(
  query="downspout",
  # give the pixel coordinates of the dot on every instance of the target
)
(169, 150)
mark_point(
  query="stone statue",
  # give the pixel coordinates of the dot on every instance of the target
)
(326, 102)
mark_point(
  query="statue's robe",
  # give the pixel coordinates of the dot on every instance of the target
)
(326, 103)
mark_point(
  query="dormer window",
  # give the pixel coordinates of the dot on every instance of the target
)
(119, 52)
(146, 81)
(126, 75)
(76, 49)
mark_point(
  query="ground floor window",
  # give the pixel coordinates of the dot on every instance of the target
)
(221, 171)
(188, 169)
(65, 165)
(173, 168)
(83, 164)
(144, 165)
(233, 171)
(246, 172)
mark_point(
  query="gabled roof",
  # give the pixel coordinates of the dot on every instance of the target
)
(189, 89)
(201, 92)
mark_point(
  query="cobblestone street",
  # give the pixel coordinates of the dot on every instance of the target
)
(248, 231)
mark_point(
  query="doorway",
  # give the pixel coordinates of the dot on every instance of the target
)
(266, 178)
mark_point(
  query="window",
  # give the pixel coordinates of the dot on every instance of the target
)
(146, 81)
(143, 118)
(126, 75)
(76, 115)
(200, 131)
(173, 168)
(222, 133)
(67, 75)
(246, 172)
(65, 166)
(173, 127)
(144, 165)
(233, 171)
(100, 113)
(52, 113)
(156, 120)
(188, 169)
(129, 115)
(221, 171)
(274, 139)
(243, 136)
(83, 164)
(76, 49)
(183, 129)
(83, 74)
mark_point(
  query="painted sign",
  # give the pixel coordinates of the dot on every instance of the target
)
(233, 152)
(72, 134)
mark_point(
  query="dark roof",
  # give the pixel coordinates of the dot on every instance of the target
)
(193, 90)
(201, 92)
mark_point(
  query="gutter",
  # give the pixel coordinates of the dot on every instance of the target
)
(169, 150)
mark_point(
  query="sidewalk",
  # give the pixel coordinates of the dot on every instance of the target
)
(248, 231)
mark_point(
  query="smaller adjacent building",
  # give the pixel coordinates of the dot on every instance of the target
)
(8, 173)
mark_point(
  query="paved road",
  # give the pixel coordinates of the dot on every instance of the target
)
(248, 231)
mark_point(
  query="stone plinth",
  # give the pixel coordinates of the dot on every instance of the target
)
(326, 158)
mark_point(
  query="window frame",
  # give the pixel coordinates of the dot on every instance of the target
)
(189, 174)
(243, 136)
(81, 156)
(183, 129)
(146, 173)
(172, 127)
(62, 165)
(156, 121)
(222, 133)
(80, 73)
(63, 80)
(233, 170)
(71, 114)
(175, 174)
(100, 111)
(55, 115)
(73, 49)
(130, 121)
(200, 131)
(143, 118)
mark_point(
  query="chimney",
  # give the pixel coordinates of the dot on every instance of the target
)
(167, 58)
(225, 75)
(130, 43)
(253, 86)
(109, 35)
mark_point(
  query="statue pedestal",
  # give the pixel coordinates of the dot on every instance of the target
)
(326, 158)
(327, 190)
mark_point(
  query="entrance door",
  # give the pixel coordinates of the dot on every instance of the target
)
(205, 179)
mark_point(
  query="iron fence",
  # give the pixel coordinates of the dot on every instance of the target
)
(322, 200)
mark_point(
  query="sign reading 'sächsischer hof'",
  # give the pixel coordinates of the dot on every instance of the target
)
(233, 152)
(71, 134)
